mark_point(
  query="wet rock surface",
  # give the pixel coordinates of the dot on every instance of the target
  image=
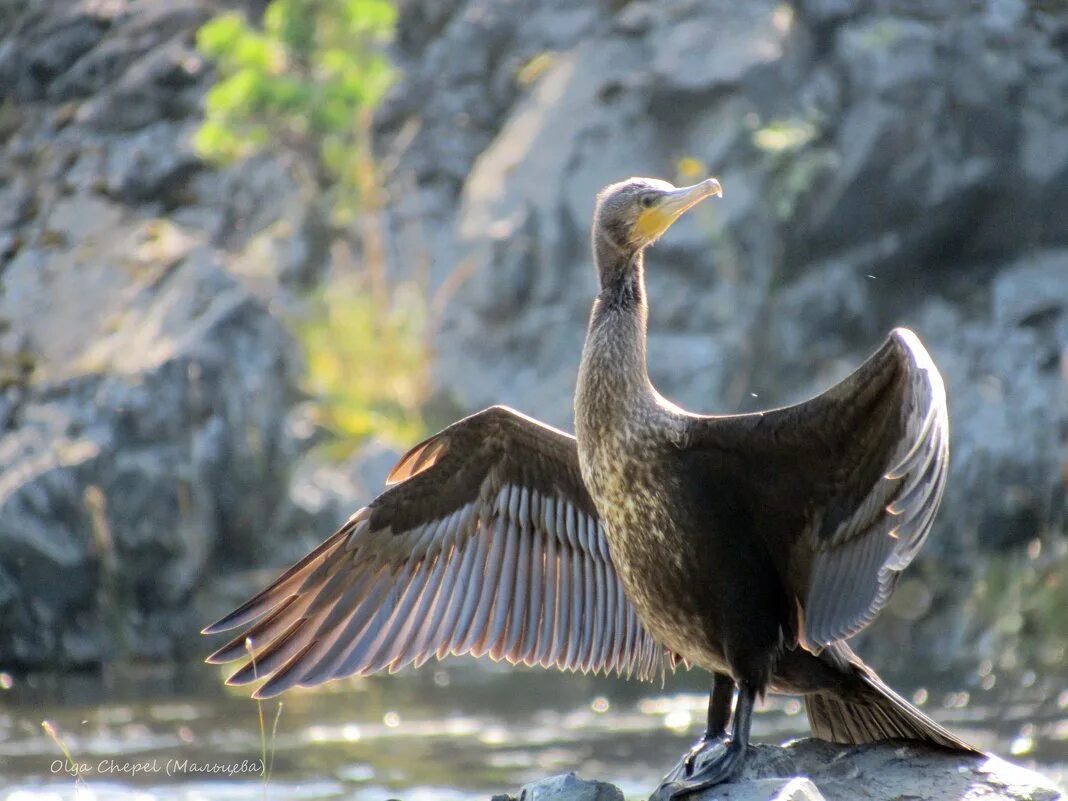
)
(812, 770)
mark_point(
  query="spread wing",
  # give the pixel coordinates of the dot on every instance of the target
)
(848, 483)
(486, 542)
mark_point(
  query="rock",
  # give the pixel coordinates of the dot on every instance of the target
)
(146, 386)
(747, 39)
(813, 770)
(146, 441)
(45, 45)
(149, 165)
(885, 771)
(235, 204)
(132, 36)
(569, 787)
(153, 88)
(476, 49)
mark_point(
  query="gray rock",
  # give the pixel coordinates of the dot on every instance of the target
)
(146, 385)
(150, 165)
(235, 204)
(44, 46)
(569, 787)
(746, 39)
(130, 38)
(152, 88)
(813, 770)
(144, 448)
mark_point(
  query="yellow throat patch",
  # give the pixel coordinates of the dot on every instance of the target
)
(652, 223)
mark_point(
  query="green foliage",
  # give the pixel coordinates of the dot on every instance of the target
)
(368, 366)
(795, 160)
(307, 83)
(784, 136)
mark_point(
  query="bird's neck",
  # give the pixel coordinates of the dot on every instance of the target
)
(614, 375)
(621, 273)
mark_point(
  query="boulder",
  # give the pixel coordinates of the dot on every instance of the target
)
(566, 786)
(813, 770)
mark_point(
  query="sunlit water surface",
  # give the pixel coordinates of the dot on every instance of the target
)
(454, 731)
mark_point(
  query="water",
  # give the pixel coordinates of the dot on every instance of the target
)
(454, 731)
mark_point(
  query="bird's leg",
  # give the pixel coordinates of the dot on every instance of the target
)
(720, 699)
(725, 765)
(720, 702)
(721, 767)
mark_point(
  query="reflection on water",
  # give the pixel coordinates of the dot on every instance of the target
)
(459, 730)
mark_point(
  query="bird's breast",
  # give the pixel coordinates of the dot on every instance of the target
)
(632, 483)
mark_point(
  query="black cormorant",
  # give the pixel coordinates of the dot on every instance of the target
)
(749, 545)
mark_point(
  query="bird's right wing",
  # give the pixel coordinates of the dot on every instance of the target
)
(487, 542)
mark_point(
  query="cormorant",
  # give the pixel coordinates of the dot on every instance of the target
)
(749, 545)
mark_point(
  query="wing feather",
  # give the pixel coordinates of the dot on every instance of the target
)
(869, 554)
(496, 636)
(563, 632)
(552, 603)
(521, 593)
(870, 551)
(539, 603)
(486, 541)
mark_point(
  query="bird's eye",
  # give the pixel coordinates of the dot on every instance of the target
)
(647, 201)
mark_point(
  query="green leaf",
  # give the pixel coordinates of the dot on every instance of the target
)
(217, 37)
(215, 142)
(372, 17)
(252, 51)
(235, 95)
(293, 24)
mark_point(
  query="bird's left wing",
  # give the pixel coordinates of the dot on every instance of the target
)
(486, 542)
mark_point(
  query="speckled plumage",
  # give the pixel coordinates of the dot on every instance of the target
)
(624, 432)
(718, 582)
(630, 442)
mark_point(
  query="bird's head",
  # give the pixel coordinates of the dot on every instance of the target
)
(635, 213)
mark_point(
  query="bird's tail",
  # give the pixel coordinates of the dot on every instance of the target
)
(874, 712)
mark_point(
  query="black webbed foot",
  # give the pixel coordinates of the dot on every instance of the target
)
(684, 769)
(715, 758)
(711, 767)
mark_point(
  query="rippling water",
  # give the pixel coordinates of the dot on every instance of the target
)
(458, 730)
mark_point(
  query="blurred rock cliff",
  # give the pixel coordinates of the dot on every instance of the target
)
(885, 163)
